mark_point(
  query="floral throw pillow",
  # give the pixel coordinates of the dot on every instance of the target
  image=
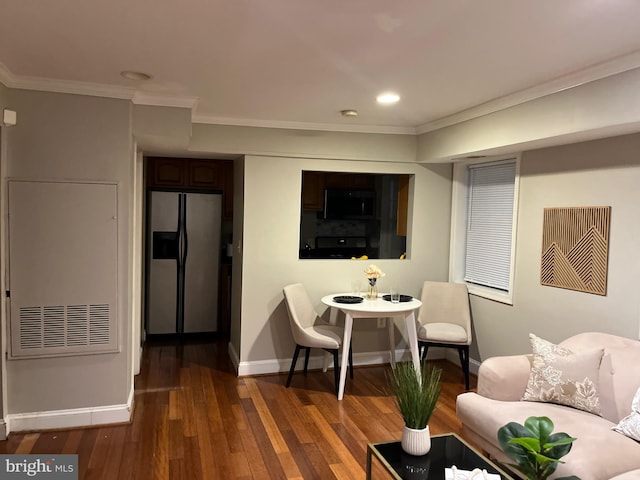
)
(560, 376)
(630, 425)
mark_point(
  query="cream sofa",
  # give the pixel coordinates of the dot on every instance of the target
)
(599, 453)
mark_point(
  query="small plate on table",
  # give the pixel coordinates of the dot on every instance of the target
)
(347, 299)
(403, 298)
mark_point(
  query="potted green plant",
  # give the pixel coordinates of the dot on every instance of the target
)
(416, 396)
(535, 449)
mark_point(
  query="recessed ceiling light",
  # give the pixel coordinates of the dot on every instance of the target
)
(387, 98)
(349, 113)
(133, 75)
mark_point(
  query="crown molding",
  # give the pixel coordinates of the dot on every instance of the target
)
(136, 96)
(155, 99)
(242, 122)
(6, 77)
(598, 71)
(69, 86)
(75, 88)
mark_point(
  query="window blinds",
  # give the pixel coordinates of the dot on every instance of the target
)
(489, 224)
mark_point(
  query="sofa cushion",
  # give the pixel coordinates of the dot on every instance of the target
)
(630, 425)
(619, 378)
(631, 475)
(560, 376)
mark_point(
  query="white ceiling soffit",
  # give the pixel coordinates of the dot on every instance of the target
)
(297, 64)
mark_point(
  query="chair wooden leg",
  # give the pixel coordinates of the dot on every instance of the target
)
(425, 349)
(336, 367)
(466, 363)
(293, 365)
(463, 352)
(306, 359)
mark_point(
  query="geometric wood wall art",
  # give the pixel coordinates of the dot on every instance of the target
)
(575, 248)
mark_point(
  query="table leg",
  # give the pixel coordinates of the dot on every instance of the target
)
(412, 333)
(368, 462)
(392, 341)
(346, 342)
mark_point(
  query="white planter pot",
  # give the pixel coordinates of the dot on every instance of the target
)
(416, 442)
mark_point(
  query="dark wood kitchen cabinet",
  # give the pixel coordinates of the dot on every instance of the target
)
(205, 174)
(313, 191)
(194, 174)
(403, 205)
(315, 183)
(166, 172)
(356, 181)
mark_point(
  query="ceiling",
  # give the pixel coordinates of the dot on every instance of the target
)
(298, 63)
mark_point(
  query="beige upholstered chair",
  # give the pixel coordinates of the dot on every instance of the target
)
(309, 331)
(445, 320)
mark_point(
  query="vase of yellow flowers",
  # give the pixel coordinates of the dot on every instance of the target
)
(373, 273)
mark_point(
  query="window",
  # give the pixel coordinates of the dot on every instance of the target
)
(483, 227)
(348, 214)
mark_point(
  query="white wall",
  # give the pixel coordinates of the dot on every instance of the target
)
(272, 188)
(74, 137)
(597, 173)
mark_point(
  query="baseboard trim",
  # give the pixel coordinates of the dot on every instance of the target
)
(72, 418)
(263, 367)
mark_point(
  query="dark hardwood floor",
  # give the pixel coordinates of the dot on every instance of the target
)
(194, 419)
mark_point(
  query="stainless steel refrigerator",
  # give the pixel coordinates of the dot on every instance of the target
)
(183, 260)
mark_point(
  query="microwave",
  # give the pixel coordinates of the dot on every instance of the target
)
(349, 204)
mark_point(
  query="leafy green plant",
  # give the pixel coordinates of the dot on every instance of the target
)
(535, 449)
(416, 395)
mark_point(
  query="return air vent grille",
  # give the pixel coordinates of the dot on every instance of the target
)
(98, 324)
(57, 329)
(53, 327)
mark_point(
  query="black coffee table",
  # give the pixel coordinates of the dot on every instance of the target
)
(446, 450)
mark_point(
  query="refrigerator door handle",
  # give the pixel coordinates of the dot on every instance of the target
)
(180, 260)
(184, 234)
(180, 231)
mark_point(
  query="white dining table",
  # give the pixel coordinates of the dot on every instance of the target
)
(377, 308)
